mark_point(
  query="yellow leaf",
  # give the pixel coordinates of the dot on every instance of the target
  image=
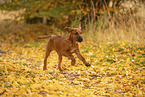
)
(36, 95)
(2, 90)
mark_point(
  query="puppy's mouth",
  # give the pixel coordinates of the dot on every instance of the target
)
(79, 39)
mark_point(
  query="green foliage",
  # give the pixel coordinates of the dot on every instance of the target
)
(62, 9)
(62, 13)
(41, 8)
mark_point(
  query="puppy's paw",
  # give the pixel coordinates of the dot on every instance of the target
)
(44, 68)
(88, 64)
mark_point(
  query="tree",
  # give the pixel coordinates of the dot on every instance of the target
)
(63, 12)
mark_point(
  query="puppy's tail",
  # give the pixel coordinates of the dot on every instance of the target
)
(42, 37)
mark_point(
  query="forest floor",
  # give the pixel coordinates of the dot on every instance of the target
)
(117, 70)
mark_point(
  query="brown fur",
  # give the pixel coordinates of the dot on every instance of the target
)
(65, 46)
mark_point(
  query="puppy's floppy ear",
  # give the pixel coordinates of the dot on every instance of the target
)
(80, 26)
(67, 28)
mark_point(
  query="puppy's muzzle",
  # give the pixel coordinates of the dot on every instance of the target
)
(79, 39)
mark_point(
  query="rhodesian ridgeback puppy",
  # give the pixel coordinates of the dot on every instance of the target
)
(65, 46)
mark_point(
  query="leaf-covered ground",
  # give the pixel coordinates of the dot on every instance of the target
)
(118, 71)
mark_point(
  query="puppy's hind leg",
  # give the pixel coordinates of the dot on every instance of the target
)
(73, 61)
(45, 59)
(59, 63)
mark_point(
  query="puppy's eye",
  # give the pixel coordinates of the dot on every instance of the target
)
(76, 33)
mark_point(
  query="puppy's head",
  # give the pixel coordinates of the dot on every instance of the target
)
(75, 33)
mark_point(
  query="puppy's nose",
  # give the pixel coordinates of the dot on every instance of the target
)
(80, 39)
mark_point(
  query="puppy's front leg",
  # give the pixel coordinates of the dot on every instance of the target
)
(77, 52)
(73, 61)
(59, 63)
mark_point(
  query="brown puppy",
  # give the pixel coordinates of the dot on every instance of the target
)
(65, 46)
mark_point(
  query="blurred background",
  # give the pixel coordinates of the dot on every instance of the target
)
(102, 20)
